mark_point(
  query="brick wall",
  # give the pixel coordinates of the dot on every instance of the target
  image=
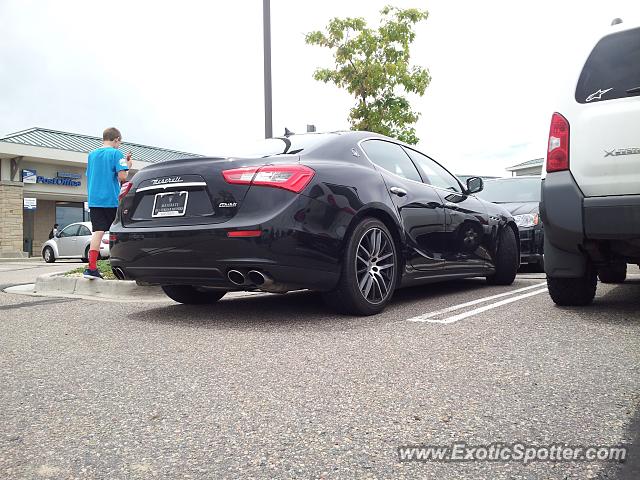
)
(10, 219)
(43, 223)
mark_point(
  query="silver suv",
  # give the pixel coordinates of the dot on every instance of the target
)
(590, 202)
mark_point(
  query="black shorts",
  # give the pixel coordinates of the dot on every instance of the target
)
(102, 218)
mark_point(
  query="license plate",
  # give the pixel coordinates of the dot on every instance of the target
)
(170, 204)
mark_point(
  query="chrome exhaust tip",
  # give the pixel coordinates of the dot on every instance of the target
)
(119, 273)
(259, 279)
(236, 277)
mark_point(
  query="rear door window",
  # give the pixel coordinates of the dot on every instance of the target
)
(612, 70)
(392, 158)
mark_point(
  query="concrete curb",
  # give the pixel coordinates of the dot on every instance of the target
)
(21, 260)
(56, 283)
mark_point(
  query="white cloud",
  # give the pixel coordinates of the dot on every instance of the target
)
(188, 75)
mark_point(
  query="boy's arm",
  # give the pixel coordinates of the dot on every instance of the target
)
(122, 168)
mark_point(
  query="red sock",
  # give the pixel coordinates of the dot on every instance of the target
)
(93, 259)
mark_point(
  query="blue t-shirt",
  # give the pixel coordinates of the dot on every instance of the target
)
(103, 186)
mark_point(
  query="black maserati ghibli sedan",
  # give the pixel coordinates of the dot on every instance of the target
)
(354, 215)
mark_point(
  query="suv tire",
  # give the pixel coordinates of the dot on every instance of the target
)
(356, 290)
(615, 273)
(190, 295)
(573, 291)
(507, 259)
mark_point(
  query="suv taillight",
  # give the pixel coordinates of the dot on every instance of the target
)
(289, 177)
(124, 189)
(558, 147)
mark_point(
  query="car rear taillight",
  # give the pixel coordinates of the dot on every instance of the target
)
(289, 177)
(124, 189)
(558, 147)
(113, 237)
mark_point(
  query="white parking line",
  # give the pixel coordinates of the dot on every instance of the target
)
(475, 311)
(428, 316)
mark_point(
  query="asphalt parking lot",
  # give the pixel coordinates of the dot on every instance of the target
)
(276, 386)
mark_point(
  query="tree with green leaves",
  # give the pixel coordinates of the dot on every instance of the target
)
(374, 66)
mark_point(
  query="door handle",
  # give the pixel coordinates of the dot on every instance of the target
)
(401, 192)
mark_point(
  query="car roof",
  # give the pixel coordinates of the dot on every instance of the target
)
(86, 224)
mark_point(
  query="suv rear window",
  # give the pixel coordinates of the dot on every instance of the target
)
(612, 69)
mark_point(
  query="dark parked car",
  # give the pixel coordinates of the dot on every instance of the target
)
(521, 196)
(352, 214)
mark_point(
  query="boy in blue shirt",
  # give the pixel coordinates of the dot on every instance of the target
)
(107, 168)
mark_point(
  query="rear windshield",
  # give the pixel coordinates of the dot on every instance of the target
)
(511, 190)
(277, 146)
(612, 70)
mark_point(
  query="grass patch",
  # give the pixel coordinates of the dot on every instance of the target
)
(104, 266)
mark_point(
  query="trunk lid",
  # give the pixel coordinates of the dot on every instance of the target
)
(185, 192)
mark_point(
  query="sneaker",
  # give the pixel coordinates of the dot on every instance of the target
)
(92, 274)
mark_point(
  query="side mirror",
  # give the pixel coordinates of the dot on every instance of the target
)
(475, 184)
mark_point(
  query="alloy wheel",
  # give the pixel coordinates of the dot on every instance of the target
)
(375, 265)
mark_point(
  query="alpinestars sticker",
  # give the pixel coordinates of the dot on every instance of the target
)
(597, 95)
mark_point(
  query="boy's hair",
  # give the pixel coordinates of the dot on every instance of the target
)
(111, 134)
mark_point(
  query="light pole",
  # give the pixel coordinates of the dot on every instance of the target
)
(266, 20)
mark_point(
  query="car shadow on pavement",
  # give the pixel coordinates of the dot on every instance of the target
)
(630, 468)
(295, 309)
(619, 305)
(430, 291)
(303, 308)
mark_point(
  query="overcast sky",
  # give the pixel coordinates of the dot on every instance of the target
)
(188, 75)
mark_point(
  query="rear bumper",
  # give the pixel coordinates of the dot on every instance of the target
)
(615, 217)
(578, 229)
(104, 250)
(291, 249)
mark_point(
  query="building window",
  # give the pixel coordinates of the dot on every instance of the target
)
(70, 212)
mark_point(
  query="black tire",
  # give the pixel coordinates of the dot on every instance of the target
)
(507, 259)
(48, 255)
(616, 273)
(572, 292)
(366, 285)
(190, 295)
(85, 259)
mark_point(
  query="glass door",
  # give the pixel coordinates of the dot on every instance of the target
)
(69, 212)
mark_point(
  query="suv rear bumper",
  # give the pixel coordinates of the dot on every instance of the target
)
(578, 229)
(616, 217)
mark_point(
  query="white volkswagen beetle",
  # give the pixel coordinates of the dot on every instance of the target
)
(73, 242)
